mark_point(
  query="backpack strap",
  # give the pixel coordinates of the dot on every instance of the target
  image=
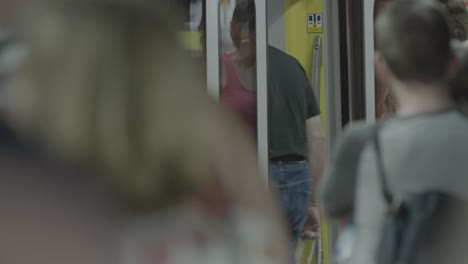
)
(380, 167)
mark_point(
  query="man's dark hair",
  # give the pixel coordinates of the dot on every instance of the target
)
(414, 39)
(457, 18)
(243, 15)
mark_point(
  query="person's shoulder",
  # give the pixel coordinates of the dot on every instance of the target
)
(358, 130)
(277, 54)
(353, 140)
(275, 51)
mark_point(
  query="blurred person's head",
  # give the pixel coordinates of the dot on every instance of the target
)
(456, 16)
(243, 31)
(106, 85)
(111, 87)
(414, 42)
(414, 55)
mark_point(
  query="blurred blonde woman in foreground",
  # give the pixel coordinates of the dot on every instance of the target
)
(107, 86)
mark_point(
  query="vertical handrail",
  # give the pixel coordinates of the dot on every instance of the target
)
(212, 48)
(332, 64)
(262, 84)
(369, 72)
(332, 90)
(317, 63)
(317, 66)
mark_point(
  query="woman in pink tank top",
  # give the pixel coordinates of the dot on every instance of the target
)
(236, 96)
(239, 70)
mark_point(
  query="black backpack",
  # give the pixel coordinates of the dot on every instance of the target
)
(407, 222)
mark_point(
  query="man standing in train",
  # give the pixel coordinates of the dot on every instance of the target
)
(297, 145)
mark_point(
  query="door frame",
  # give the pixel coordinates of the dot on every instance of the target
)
(213, 70)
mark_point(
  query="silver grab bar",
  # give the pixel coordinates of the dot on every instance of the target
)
(317, 66)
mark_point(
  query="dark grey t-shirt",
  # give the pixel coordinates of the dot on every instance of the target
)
(291, 102)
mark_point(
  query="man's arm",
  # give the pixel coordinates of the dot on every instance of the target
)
(317, 159)
(317, 147)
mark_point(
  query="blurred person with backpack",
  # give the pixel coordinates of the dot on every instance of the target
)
(420, 152)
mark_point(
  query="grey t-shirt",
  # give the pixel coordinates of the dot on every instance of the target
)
(425, 152)
(338, 189)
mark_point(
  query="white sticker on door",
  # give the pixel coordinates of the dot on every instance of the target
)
(315, 23)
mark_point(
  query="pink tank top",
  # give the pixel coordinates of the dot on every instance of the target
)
(238, 98)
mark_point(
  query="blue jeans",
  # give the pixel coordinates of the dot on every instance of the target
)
(292, 184)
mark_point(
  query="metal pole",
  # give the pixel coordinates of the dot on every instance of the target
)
(262, 84)
(212, 48)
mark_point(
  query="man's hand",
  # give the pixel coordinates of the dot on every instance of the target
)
(312, 226)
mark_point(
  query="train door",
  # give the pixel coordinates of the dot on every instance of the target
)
(298, 28)
(221, 64)
(309, 31)
(357, 60)
(350, 81)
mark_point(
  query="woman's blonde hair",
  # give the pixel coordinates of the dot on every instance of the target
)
(113, 88)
